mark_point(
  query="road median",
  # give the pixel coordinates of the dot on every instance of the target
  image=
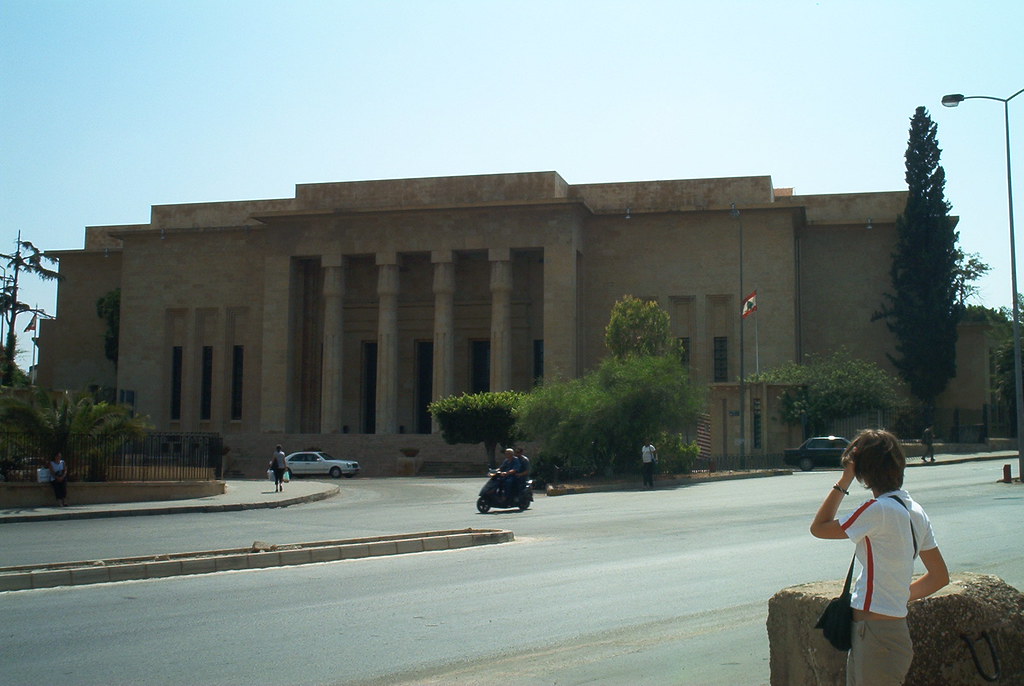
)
(257, 556)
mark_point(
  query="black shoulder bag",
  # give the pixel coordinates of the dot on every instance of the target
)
(836, 622)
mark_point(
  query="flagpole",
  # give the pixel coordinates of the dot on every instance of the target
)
(743, 434)
(757, 348)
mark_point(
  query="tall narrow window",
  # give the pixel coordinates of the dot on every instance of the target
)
(480, 367)
(176, 358)
(424, 384)
(538, 360)
(684, 343)
(369, 387)
(237, 367)
(721, 358)
(758, 426)
(206, 386)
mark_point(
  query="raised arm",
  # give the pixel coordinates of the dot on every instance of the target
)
(825, 524)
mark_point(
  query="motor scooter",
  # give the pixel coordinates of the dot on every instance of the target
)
(491, 495)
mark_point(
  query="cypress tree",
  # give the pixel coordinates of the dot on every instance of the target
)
(922, 310)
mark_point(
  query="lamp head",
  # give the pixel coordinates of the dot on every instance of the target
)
(952, 100)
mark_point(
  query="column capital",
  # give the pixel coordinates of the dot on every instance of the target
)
(444, 278)
(442, 256)
(499, 254)
(387, 257)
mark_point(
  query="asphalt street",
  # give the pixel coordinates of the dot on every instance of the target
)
(661, 587)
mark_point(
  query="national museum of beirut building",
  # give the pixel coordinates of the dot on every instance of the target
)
(331, 319)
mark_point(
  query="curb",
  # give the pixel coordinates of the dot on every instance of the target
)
(172, 509)
(258, 556)
(666, 482)
(916, 461)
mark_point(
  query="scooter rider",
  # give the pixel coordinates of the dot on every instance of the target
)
(509, 473)
(524, 469)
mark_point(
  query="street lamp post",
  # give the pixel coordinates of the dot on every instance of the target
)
(953, 100)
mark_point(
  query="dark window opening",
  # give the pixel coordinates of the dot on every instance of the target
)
(538, 360)
(206, 386)
(424, 384)
(369, 387)
(176, 360)
(237, 367)
(684, 345)
(480, 367)
(721, 358)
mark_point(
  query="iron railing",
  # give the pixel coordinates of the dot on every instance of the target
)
(154, 457)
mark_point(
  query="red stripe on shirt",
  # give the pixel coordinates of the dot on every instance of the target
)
(869, 569)
(856, 514)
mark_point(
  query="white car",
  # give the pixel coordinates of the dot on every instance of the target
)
(316, 462)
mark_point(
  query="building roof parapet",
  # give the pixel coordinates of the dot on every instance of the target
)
(433, 191)
(694, 194)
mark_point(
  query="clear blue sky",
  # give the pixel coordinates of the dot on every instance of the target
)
(108, 107)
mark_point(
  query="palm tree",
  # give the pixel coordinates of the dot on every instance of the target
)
(73, 424)
(29, 259)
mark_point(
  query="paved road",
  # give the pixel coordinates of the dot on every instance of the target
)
(662, 587)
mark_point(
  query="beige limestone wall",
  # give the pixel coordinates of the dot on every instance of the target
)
(971, 387)
(71, 355)
(844, 271)
(694, 257)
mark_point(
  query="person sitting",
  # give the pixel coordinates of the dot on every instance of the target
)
(508, 471)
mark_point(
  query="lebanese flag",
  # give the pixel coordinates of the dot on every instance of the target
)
(32, 324)
(749, 305)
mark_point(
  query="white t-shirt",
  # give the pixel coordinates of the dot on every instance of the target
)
(885, 550)
(648, 452)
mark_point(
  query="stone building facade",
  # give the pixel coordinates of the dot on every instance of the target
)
(335, 316)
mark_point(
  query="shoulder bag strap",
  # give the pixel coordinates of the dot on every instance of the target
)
(849, 576)
(912, 535)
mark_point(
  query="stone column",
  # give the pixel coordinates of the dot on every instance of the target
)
(275, 386)
(561, 313)
(501, 319)
(331, 384)
(444, 327)
(387, 344)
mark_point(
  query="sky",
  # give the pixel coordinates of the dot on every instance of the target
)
(108, 107)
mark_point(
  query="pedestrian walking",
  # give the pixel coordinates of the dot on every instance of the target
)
(649, 455)
(278, 465)
(928, 441)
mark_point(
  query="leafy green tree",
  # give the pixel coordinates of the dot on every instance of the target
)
(831, 387)
(637, 327)
(969, 268)
(108, 308)
(47, 424)
(488, 418)
(923, 309)
(605, 416)
(29, 259)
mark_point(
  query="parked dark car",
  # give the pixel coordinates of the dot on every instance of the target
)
(820, 451)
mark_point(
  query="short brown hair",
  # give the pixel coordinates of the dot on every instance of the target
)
(878, 460)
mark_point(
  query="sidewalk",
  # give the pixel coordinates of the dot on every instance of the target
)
(667, 481)
(250, 495)
(238, 495)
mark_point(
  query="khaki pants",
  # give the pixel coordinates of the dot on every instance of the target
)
(881, 653)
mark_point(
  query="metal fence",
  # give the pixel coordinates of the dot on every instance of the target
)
(951, 424)
(154, 457)
(738, 463)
